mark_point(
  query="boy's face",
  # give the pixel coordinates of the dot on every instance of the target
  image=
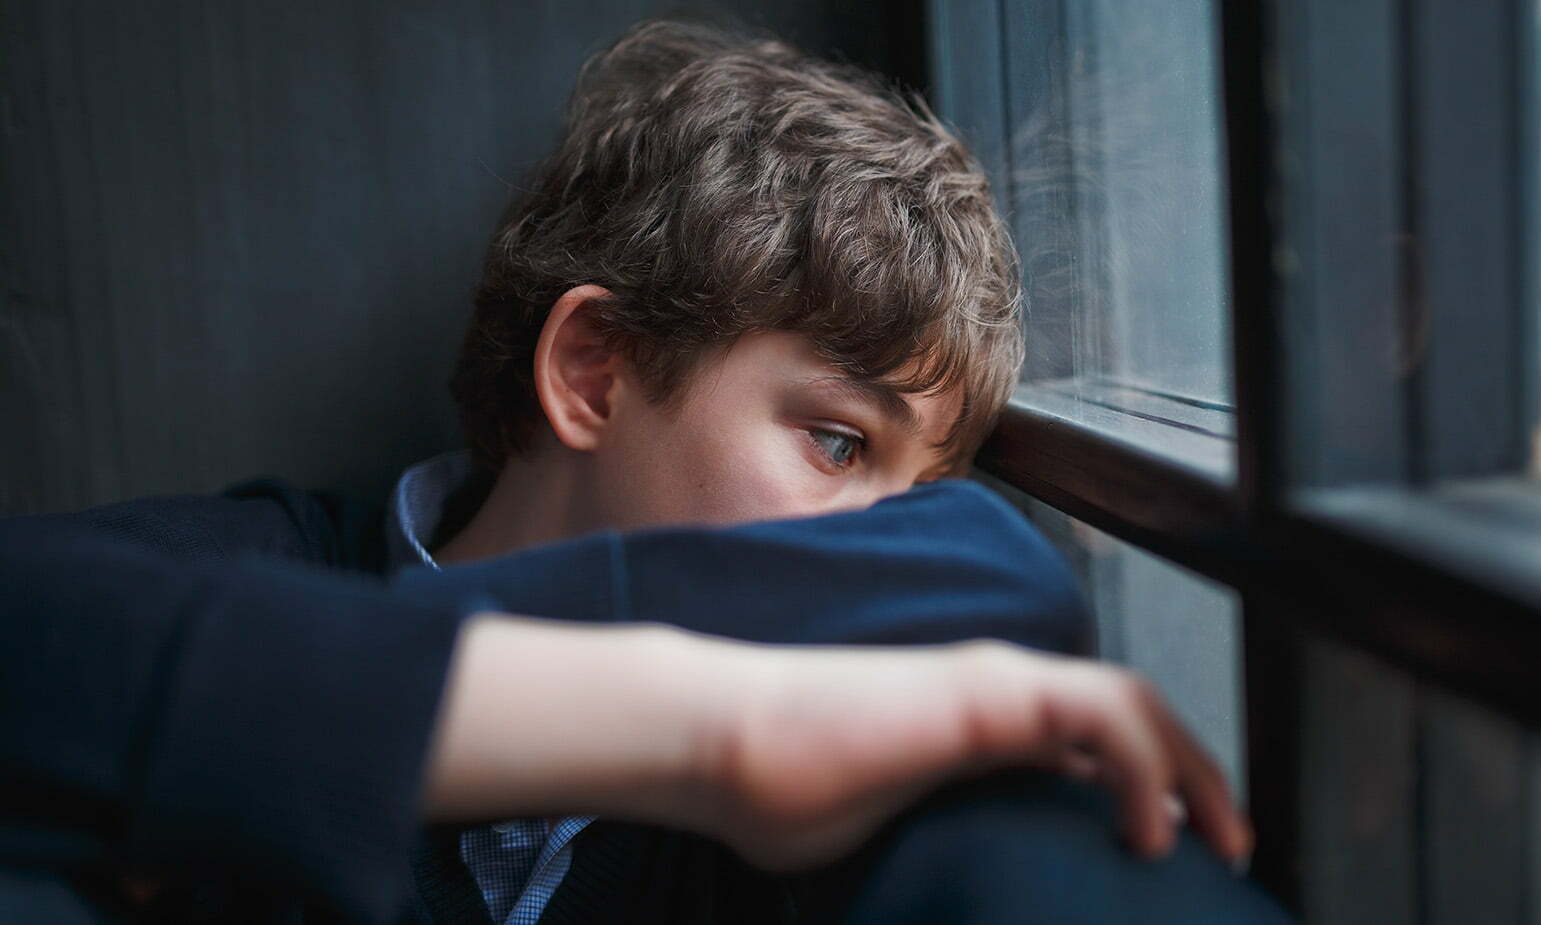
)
(766, 429)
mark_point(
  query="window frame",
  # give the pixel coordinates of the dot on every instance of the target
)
(1358, 551)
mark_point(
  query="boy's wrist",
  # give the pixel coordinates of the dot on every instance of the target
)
(652, 711)
(712, 686)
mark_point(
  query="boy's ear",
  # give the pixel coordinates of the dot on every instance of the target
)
(575, 370)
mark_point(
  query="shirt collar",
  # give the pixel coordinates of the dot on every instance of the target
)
(417, 504)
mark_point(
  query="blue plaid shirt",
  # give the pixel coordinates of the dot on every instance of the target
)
(518, 864)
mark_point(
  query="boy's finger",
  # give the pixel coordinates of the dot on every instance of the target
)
(1203, 787)
(1214, 813)
(1074, 761)
(1157, 787)
(1176, 809)
(1131, 752)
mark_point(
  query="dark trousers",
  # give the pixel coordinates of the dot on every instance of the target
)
(1015, 847)
(1027, 848)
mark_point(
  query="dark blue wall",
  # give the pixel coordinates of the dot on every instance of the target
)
(239, 238)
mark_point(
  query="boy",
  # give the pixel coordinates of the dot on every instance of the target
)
(748, 285)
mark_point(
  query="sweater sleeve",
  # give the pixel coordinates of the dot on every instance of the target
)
(261, 716)
(942, 562)
(249, 715)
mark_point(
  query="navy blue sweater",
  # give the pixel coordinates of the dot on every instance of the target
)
(224, 688)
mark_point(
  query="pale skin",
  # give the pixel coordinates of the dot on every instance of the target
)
(791, 755)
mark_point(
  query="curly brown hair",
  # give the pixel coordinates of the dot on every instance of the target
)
(719, 185)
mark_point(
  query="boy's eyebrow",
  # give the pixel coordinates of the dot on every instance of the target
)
(885, 397)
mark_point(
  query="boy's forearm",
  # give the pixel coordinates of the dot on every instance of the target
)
(541, 717)
(791, 755)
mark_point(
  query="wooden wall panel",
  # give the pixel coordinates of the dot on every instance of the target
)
(238, 238)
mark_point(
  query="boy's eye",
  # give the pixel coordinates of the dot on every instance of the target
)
(840, 447)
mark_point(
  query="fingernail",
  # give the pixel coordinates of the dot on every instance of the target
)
(1176, 810)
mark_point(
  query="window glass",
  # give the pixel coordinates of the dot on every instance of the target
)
(1117, 197)
(1143, 132)
(1181, 631)
(1416, 804)
(1100, 123)
(1477, 776)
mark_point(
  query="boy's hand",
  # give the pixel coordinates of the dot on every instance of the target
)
(793, 755)
(819, 746)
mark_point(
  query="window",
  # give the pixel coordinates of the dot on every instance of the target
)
(1107, 157)
(1175, 627)
(1283, 274)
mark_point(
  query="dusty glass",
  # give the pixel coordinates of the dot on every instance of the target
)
(1117, 195)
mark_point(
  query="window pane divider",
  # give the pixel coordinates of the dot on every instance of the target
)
(1378, 568)
(1086, 461)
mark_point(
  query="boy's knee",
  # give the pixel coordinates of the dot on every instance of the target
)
(1032, 847)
